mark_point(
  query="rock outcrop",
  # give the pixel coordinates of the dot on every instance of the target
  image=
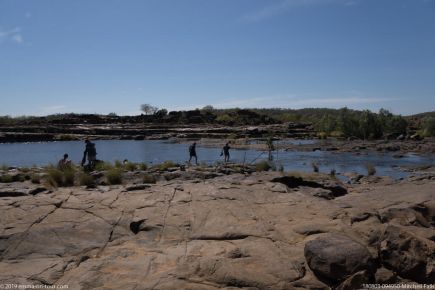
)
(238, 231)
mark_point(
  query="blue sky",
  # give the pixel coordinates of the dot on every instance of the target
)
(102, 56)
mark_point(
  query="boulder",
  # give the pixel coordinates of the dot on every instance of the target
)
(334, 257)
(410, 256)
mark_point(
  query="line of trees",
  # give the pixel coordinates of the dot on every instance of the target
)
(362, 124)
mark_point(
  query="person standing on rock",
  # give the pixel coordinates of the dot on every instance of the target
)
(192, 153)
(91, 153)
(226, 152)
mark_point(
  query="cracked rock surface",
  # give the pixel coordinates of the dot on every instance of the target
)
(234, 231)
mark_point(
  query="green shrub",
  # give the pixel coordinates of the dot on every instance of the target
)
(149, 178)
(56, 177)
(24, 169)
(262, 166)
(6, 178)
(114, 176)
(4, 167)
(371, 170)
(86, 179)
(225, 119)
(66, 137)
(165, 165)
(429, 127)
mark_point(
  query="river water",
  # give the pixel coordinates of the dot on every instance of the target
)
(157, 151)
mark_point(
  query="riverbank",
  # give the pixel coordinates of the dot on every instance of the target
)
(141, 131)
(207, 228)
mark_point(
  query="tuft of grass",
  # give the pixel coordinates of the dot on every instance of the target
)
(35, 178)
(143, 166)
(69, 176)
(25, 169)
(130, 166)
(4, 167)
(118, 164)
(262, 166)
(315, 167)
(103, 166)
(86, 179)
(54, 177)
(149, 178)
(165, 165)
(371, 170)
(114, 176)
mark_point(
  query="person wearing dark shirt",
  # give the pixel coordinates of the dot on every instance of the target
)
(90, 153)
(226, 152)
(192, 153)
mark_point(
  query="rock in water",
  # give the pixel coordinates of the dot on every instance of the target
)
(335, 257)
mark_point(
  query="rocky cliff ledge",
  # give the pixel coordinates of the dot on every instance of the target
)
(257, 231)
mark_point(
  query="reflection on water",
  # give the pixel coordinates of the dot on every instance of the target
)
(154, 151)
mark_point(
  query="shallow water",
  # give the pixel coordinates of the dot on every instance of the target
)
(155, 151)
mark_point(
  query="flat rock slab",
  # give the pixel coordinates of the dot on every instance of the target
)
(233, 231)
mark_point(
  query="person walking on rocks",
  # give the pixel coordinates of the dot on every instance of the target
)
(226, 152)
(91, 153)
(192, 153)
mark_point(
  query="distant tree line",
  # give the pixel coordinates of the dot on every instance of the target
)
(362, 124)
(327, 122)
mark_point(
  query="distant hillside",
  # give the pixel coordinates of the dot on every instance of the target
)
(418, 121)
(422, 115)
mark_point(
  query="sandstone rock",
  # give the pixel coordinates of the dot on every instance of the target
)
(233, 231)
(410, 256)
(385, 276)
(404, 216)
(335, 257)
(356, 281)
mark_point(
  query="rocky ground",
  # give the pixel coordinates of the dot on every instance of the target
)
(260, 230)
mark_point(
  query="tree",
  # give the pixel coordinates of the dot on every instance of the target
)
(148, 109)
(429, 127)
(208, 108)
(161, 113)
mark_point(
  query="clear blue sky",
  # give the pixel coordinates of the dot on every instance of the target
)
(101, 56)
